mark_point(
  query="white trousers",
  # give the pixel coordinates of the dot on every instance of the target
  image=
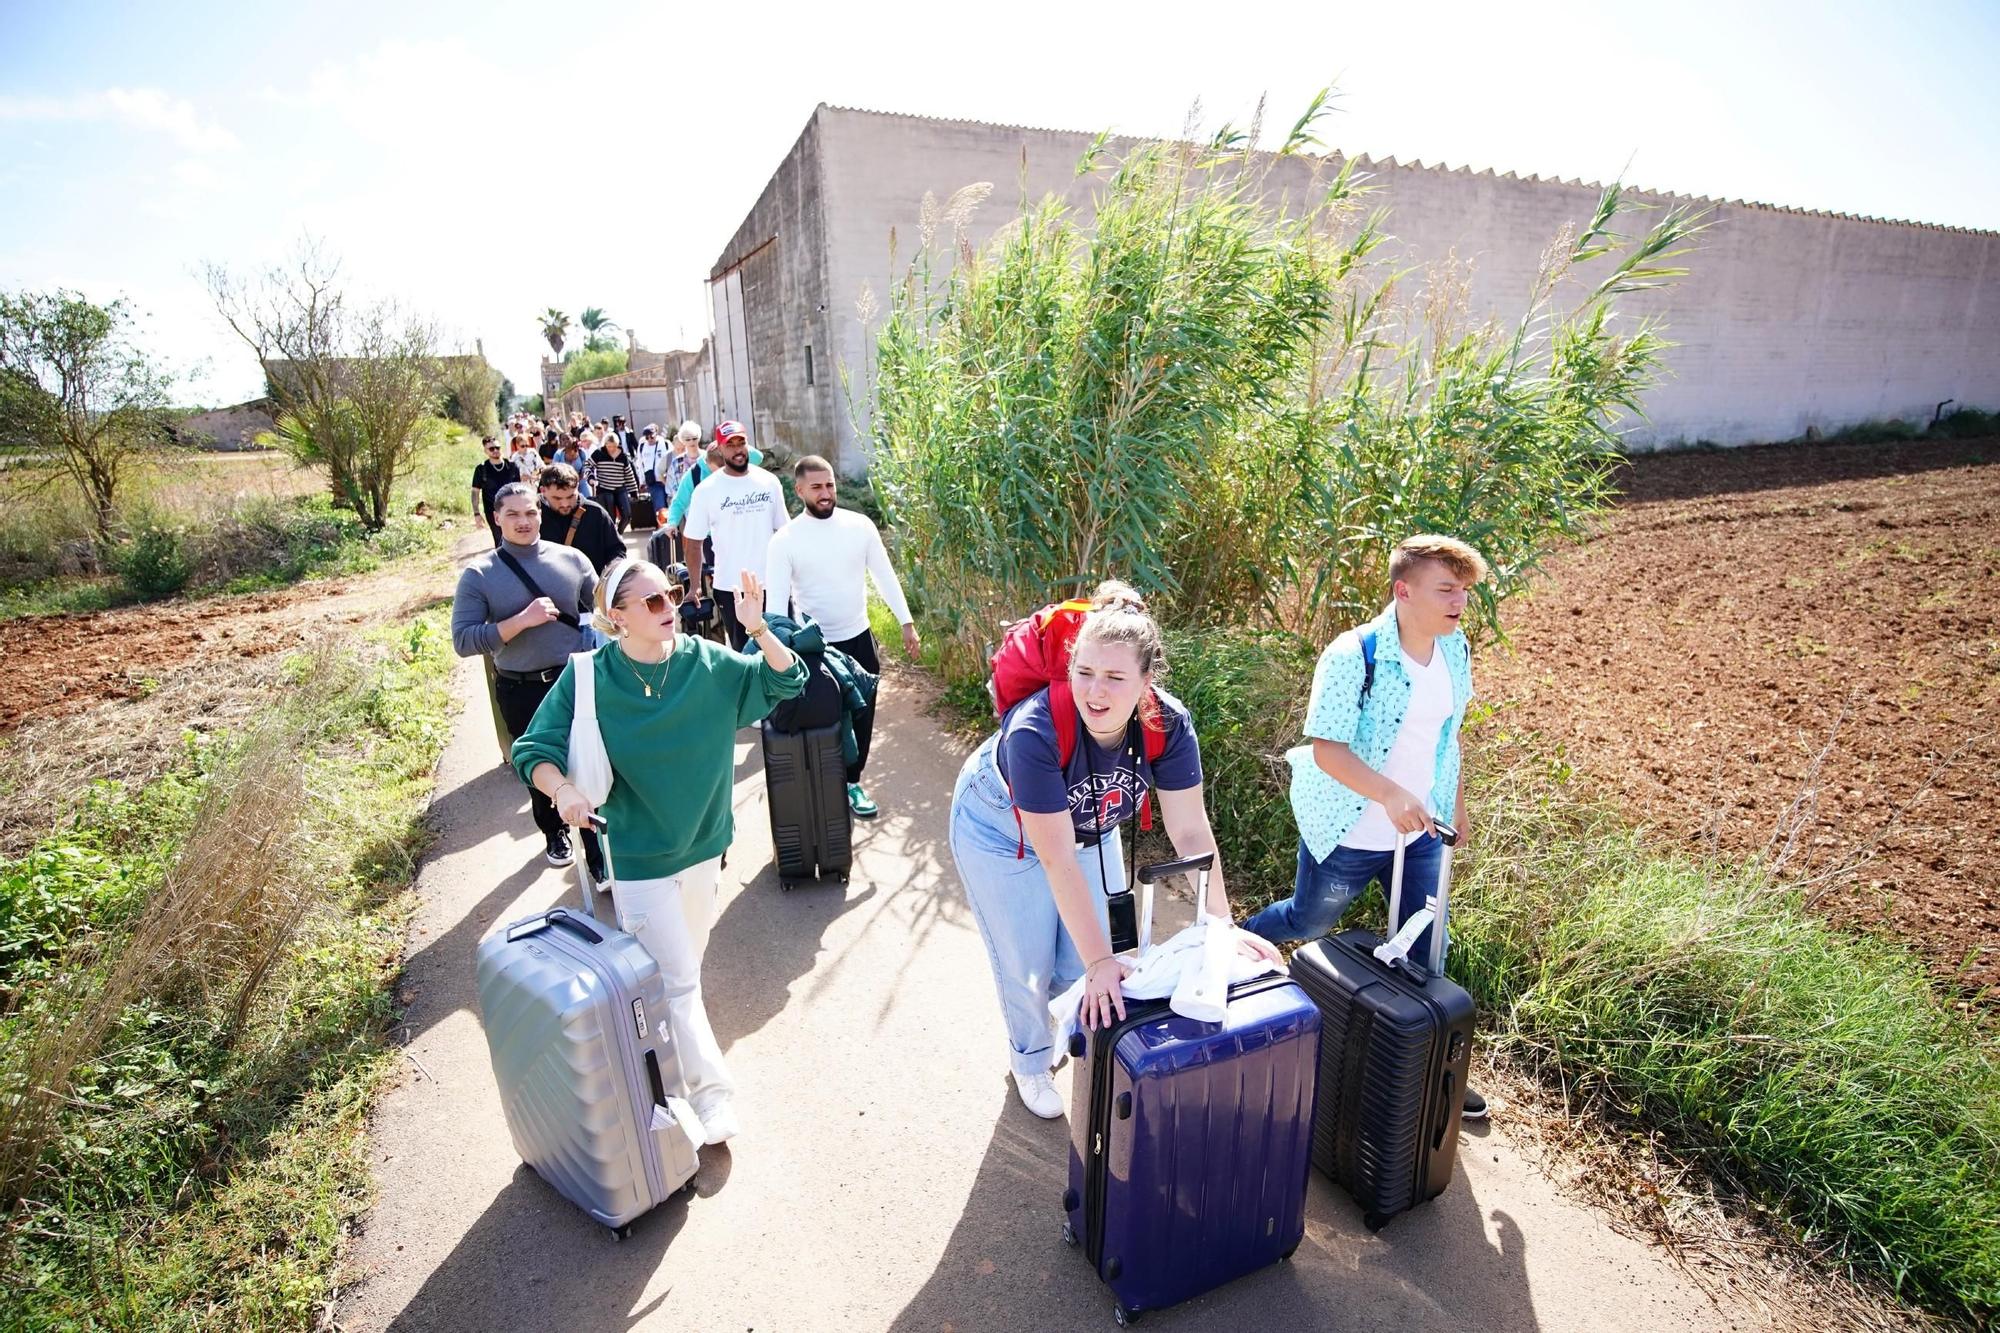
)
(671, 918)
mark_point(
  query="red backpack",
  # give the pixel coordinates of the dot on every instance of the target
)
(1034, 655)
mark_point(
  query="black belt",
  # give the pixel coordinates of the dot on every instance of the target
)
(529, 677)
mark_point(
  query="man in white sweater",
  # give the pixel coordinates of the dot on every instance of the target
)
(818, 562)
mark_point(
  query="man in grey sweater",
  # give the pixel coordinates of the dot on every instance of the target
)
(528, 633)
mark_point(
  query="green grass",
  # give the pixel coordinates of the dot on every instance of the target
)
(199, 1181)
(198, 540)
(1816, 1067)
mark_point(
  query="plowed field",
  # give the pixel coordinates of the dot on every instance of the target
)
(1793, 647)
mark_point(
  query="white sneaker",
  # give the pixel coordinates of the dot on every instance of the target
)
(1038, 1094)
(720, 1122)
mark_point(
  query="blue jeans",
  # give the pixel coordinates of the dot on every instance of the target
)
(1031, 953)
(1324, 890)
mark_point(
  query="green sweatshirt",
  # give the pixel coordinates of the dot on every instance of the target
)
(673, 756)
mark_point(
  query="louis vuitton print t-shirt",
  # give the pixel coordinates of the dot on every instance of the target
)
(740, 513)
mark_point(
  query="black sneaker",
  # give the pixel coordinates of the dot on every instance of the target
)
(559, 853)
(1475, 1106)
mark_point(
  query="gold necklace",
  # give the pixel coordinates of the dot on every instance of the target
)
(645, 684)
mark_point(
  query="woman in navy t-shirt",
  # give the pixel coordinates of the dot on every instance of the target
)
(1038, 884)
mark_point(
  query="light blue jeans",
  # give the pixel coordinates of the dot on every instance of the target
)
(1032, 955)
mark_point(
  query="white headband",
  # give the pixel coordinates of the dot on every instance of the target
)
(617, 577)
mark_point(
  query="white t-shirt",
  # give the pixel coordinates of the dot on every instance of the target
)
(740, 514)
(1412, 761)
(819, 564)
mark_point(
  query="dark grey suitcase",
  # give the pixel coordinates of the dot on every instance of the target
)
(805, 784)
(575, 1016)
(1395, 1045)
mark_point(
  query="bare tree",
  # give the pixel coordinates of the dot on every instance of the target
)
(353, 386)
(74, 388)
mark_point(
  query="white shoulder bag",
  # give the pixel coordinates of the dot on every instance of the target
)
(589, 765)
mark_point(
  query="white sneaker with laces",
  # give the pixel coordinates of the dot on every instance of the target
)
(1039, 1095)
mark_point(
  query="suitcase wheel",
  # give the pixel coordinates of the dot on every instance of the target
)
(786, 885)
(1124, 1316)
(622, 1233)
(1374, 1221)
(1069, 1234)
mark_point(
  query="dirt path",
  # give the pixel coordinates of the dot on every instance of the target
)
(887, 1177)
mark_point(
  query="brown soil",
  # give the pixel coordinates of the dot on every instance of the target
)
(111, 695)
(1793, 649)
(59, 665)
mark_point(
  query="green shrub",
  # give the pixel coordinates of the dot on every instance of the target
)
(1968, 423)
(155, 563)
(206, 1154)
(1875, 432)
(593, 364)
(1213, 392)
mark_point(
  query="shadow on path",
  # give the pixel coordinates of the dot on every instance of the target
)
(532, 1250)
(1434, 1268)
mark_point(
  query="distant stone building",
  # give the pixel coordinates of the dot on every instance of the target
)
(1790, 319)
(665, 390)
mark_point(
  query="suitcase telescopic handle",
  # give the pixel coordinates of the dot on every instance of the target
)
(555, 916)
(1187, 865)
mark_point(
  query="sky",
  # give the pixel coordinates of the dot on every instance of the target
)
(481, 161)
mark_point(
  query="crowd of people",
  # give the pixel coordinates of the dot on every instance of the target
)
(560, 593)
(1036, 813)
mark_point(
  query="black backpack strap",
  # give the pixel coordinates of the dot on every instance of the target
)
(534, 589)
(1367, 637)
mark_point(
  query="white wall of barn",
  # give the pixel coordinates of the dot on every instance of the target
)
(1788, 320)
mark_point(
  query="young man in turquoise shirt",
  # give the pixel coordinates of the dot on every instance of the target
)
(1384, 763)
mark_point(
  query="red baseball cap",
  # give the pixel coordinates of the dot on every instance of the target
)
(730, 430)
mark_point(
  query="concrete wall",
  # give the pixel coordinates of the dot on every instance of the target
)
(778, 260)
(1788, 320)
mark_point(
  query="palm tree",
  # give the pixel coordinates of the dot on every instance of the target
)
(554, 325)
(596, 323)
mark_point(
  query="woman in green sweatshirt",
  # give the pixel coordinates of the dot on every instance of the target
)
(668, 706)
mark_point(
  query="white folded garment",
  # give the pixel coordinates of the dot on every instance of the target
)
(1162, 969)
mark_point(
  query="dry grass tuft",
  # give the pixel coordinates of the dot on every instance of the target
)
(209, 936)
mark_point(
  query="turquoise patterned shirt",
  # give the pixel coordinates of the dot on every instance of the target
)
(1326, 810)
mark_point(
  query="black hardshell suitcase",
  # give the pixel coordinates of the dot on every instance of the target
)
(1394, 1048)
(805, 784)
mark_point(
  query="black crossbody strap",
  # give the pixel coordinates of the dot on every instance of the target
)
(507, 559)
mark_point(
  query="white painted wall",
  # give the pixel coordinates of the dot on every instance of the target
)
(1788, 320)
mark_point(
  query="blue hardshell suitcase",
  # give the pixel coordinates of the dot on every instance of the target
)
(1191, 1142)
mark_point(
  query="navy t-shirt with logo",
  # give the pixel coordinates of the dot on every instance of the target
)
(1100, 787)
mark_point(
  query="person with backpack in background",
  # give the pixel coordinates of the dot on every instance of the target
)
(488, 476)
(652, 452)
(570, 520)
(1387, 705)
(821, 561)
(1086, 736)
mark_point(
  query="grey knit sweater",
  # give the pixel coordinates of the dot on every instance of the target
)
(489, 592)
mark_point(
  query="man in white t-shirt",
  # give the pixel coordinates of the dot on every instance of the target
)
(820, 561)
(740, 507)
(1384, 764)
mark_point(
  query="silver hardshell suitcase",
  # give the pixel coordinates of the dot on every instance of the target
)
(575, 1016)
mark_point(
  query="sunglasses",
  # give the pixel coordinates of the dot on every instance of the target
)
(658, 602)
